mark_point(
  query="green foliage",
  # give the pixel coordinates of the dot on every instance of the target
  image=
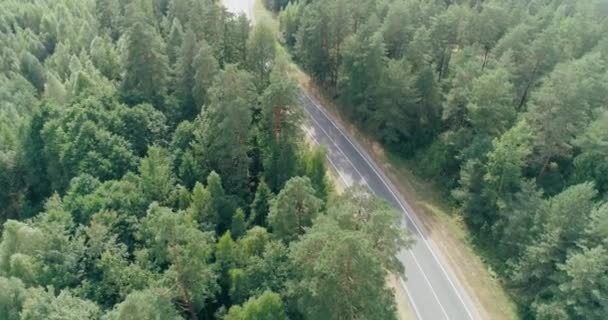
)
(174, 239)
(222, 131)
(184, 75)
(156, 175)
(313, 166)
(293, 209)
(328, 257)
(43, 304)
(280, 131)
(239, 225)
(12, 295)
(149, 304)
(146, 64)
(203, 208)
(261, 52)
(260, 205)
(358, 210)
(130, 133)
(205, 68)
(266, 306)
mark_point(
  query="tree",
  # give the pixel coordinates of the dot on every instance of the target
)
(222, 132)
(293, 209)
(142, 126)
(148, 304)
(203, 208)
(205, 68)
(559, 112)
(108, 12)
(254, 241)
(329, 258)
(261, 52)
(313, 166)
(42, 252)
(157, 180)
(361, 71)
(43, 304)
(238, 223)
(184, 74)
(235, 39)
(515, 216)
(358, 210)
(220, 202)
(560, 221)
(266, 306)
(173, 238)
(12, 295)
(227, 259)
(105, 57)
(393, 31)
(260, 205)
(146, 64)
(289, 22)
(311, 38)
(280, 131)
(174, 42)
(396, 120)
(593, 143)
(33, 71)
(490, 108)
(584, 292)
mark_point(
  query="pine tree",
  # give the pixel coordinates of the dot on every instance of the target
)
(261, 52)
(205, 68)
(260, 205)
(238, 225)
(293, 209)
(267, 306)
(146, 65)
(222, 133)
(184, 75)
(157, 180)
(280, 131)
(203, 208)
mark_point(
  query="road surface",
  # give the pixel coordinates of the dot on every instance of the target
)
(432, 289)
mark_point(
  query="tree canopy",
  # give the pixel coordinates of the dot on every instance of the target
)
(153, 166)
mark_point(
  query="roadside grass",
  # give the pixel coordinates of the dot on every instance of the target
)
(431, 207)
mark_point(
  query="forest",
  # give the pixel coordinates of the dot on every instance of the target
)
(503, 104)
(153, 166)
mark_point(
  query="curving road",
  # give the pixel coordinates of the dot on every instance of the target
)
(432, 289)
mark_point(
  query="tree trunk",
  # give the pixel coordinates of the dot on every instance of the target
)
(544, 168)
(524, 96)
(485, 59)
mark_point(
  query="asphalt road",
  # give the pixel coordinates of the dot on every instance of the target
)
(433, 290)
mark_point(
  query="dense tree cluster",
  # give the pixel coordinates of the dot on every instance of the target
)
(152, 166)
(504, 103)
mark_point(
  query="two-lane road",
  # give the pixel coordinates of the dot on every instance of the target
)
(433, 290)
